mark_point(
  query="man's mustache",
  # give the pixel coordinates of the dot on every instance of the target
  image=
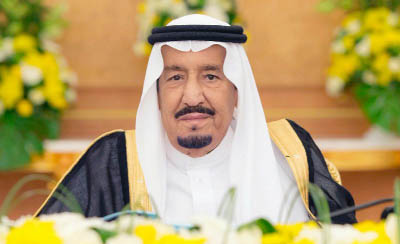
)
(194, 109)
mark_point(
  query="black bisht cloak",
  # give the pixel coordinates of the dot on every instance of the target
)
(99, 180)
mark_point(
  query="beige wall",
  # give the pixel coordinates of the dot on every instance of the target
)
(288, 49)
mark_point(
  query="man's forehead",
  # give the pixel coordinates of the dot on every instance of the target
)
(205, 67)
(210, 58)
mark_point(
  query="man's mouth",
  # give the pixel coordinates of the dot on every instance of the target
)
(194, 116)
(194, 110)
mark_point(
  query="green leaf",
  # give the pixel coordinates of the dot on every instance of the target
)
(33, 144)
(264, 225)
(326, 6)
(381, 104)
(13, 153)
(105, 234)
(346, 4)
(320, 202)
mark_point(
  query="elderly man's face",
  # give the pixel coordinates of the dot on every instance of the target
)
(196, 99)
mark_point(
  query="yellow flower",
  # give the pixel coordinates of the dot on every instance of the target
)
(378, 42)
(376, 19)
(176, 239)
(370, 226)
(393, 37)
(343, 65)
(141, 8)
(304, 241)
(24, 108)
(348, 42)
(24, 43)
(155, 19)
(381, 62)
(350, 18)
(168, 20)
(276, 238)
(147, 233)
(11, 86)
(34, 232)
(147, 48)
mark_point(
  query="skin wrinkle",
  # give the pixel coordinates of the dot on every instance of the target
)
(196, 99)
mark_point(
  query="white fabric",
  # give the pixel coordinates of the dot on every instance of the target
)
(196, 186)
(253, 168)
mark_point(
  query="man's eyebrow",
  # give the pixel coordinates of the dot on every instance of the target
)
(173, 68)
(210, 67)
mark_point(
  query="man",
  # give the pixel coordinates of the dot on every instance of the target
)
(201, 130)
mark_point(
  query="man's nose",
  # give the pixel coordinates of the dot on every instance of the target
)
(193, 92)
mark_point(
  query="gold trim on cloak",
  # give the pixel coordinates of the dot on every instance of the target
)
(138, 194)
(71, 167)
(286, 139)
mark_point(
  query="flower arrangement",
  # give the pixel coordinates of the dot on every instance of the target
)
(35, 82)
(73, 228)
(146, 228)
(155, 13)
(365, 55)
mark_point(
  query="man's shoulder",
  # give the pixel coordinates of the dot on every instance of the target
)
(107, 142)
(286, 124)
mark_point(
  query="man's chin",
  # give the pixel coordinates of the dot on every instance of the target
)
(196, 141)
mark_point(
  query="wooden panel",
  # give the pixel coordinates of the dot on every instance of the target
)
(27, 206)
(289, 41)
(368, 186)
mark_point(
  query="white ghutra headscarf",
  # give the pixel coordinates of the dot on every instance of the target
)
(254, 169)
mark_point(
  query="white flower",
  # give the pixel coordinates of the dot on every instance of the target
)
(334, 86)
(70, 95)
(369, 77)
(1, 107)
(50, 46)
(192, 2)
(80, 230)
(391, 228)
(353, 26)
(36, 96)
(69, 77)
(215, 11)
(76, 229)
(393, 19)
(31, 75)
(338, 47)
(124, 239)
(253, 235)
(85, 236)
(394, 64)
(3, 234)
(163, 5)
(340, 234)
(213, 229)
(179, 9)
(363, 47)
(226, 5)
(6, 48)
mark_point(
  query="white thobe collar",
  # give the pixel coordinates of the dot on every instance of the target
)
(196, 186)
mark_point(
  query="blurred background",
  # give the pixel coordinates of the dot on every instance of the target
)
(73, 70)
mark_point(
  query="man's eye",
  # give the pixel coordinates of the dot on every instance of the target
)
(175, 77)
(211, 77)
